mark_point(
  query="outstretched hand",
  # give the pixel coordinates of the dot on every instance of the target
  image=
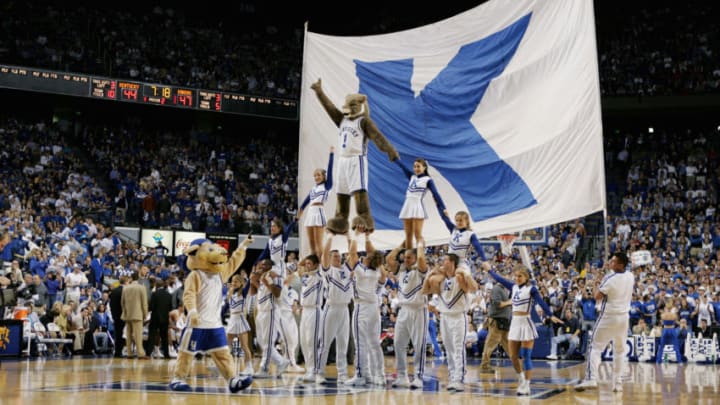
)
(317, 86)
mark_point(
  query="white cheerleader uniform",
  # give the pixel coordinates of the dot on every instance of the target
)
(366, 323)
(416, 190)
(412, 320)
(237, 323)
(311, 298)
(524, 297)
(336, 319)
(453, 306)
(460, 241)
(315, 214)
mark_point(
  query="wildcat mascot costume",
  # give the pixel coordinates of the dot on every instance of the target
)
(209, 267)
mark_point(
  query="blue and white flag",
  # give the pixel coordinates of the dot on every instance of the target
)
(503, 101)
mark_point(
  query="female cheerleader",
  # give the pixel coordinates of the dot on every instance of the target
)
(669, 335)
(315, 220)
(238, 326)
(413, 212)
(461, 237)
(522, 334)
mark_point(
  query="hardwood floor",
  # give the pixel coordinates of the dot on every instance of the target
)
(106, 380)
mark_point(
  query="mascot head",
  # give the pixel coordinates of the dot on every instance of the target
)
(205, 255)
(356, 105)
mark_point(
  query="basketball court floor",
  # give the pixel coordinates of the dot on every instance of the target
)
(108, 381)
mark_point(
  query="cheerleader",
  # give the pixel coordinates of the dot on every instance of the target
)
(461, 237)
(413, 212)
(669, 333)
(238, 326)
(315, 220)
(522, 334)
(277, 245)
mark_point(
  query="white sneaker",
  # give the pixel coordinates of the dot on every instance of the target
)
(294, 368)
(342, 379)
(586, 385)
(356, 381)
(379, 380)
(309, 377)
(248, 369)
(281, 368)
(456, 386)
(618, 386)
(416, 383)
(156, 353)
(552, 357)
(523, 388)
(320, 379)
(401, 381)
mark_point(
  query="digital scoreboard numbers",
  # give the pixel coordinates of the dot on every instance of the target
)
(103, 88)
(168, 95)
(210, 100)
(129, 91)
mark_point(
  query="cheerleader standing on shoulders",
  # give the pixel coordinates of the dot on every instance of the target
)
(413, 213)
(522, 334)
(315, 218)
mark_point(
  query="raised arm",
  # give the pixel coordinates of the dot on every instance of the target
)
(335, 114)
(372, 131)
(448, 222)
(408, 173)
(391, 259)
(328, 173)
(438, 200)
(287, 230)
(236, 259)
(421, 259)
(352, 257)
(265, 254)
(502, 280)
(539, 299)
(325, 259)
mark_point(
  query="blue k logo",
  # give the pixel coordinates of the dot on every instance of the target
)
(436, 125)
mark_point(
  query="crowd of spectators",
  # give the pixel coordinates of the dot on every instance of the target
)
(57, 218)
(666, 205)
(241, 50)
(234, 50)
(635, 60)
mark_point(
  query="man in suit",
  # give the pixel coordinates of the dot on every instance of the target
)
(116, 312)
(160, 307)
(134, 303)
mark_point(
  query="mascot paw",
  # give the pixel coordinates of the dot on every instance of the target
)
(194, 320)
(338, 226)
(358, 222)
(179, 385)
(239, 383)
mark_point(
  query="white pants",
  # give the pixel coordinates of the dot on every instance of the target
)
(453, 327)
(310, 323)
(411, 325)
(288, 333)
(266, 331)
(609, 327)
(369, 361)
(335, 326)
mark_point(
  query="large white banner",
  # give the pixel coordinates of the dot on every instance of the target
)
(503, 101)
